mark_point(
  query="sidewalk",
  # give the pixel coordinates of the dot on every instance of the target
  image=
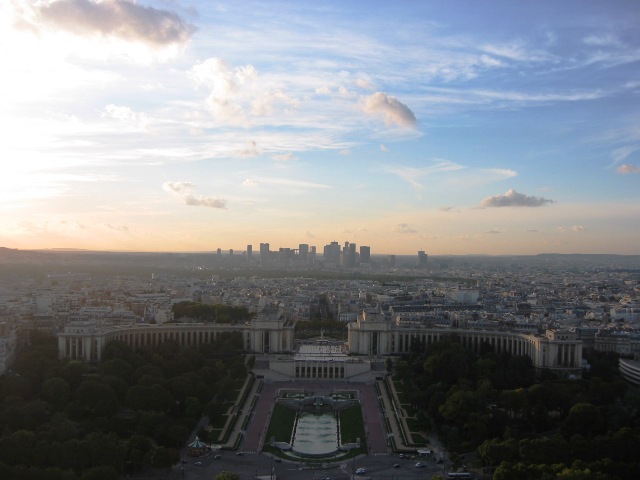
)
(239, 414)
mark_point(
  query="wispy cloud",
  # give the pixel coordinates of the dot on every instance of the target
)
(183, 191)
(403, 228)
(285, 182)
(412, 175)
(514, 199)
(620, 154)
(118, 228)
(284, 157)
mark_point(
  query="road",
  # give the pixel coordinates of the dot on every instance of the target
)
(251, 466)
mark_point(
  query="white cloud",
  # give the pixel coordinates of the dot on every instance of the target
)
(183, 191)
(383, 148)
(578, 228)
(250, 150)
(390, 109)
(364, 83)
(514, 199)
(238, 95)
(114, 18)
(126, 115)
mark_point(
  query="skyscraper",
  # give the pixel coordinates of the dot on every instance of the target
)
(332, 254)
(365, 254)
(264, 255)
(422, 258)
(249, 252)
(303, 253)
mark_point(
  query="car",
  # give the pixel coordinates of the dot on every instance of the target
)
(361, 470)
(420, 465)
(278, 460)
(396, 465)
(199, 464)
(217, 457)
(240, 454)
(402, 455)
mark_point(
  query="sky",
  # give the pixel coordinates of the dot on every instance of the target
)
(466, 127)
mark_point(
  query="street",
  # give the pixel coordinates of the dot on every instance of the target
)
(251, 466)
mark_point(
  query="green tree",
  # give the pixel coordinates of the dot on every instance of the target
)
(227, 476)
(96, 399)
(448, 362)
(56, 391)
(584, 419)
(102, 472)
(496, 451)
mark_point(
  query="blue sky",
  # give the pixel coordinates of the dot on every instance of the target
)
(451, 127)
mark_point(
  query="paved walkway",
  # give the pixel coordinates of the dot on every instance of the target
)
(376, 405)
(375, 431)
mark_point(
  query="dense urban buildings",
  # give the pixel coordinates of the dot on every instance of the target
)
(548, 308)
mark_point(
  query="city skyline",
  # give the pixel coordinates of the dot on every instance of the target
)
(452, 128)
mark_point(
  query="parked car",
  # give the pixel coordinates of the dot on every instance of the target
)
(361, 470)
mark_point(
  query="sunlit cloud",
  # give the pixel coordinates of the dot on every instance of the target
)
(183, 191)
(364, 83)
(628, 168)
(114, 18)
(392, 111)
(237, 96)
(514, 199)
